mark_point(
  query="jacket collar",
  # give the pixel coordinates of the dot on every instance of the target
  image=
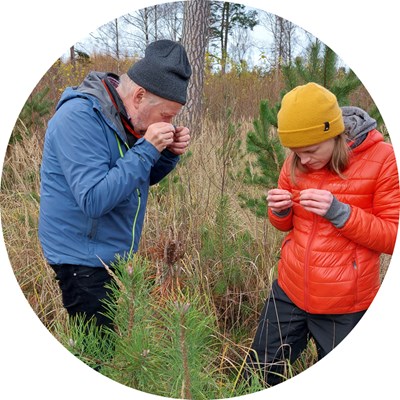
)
(111, 82)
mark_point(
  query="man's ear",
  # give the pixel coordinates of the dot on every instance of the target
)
(138, 96)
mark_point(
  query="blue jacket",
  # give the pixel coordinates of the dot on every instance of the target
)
(94, 188)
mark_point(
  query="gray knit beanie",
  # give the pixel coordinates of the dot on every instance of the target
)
(164, 71)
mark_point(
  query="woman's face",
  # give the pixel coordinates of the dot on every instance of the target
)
(316, 156)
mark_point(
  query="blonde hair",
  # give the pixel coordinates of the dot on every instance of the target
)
(337, 164)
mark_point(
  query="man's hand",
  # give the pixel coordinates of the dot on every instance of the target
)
(316, 201)
(181, 140)
(160, 135)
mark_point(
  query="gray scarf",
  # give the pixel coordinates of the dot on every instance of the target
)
(357, 124)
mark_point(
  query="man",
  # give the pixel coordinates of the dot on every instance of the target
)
(110, 139)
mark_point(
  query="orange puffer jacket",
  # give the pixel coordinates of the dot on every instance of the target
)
(326, 270)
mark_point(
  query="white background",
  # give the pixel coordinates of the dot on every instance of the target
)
(34, 34)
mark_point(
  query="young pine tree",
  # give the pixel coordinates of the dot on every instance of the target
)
(32, 115)
(265, 158)
(167, 346)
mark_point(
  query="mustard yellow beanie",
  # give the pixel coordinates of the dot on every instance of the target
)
(309, 114)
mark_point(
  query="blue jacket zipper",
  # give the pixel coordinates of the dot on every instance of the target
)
(139, 200)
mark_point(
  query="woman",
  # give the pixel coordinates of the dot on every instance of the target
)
(338, 198)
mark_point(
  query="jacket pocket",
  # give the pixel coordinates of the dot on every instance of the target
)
(284, 246)
(91, 279)
(92, 228)
(355, 266)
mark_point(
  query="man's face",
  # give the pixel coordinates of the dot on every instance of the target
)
(152, 109)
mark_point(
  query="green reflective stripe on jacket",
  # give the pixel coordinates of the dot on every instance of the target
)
(139, 200)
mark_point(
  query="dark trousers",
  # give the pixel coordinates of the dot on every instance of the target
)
(84, 291)
(283, 333)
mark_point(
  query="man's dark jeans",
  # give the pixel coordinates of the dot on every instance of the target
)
(84, 290)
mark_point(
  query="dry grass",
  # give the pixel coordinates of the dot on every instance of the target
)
(20, 209)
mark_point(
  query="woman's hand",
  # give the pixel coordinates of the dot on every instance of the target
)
(316, 201)
(279, 200)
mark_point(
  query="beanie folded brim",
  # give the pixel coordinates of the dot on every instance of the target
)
(312, 135)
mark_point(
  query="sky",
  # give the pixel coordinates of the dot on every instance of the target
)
(260, 42)
(33, 364)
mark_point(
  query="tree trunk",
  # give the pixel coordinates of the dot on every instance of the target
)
(72, 55)
(195, 39)
(146, 27)
(117, 52)
(224, 35)
(155, 23)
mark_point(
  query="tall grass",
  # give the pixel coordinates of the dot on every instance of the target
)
(19, 214)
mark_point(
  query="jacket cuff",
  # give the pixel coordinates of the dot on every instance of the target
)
(283, 213)
(169, 154)
(150, 149)
(338, 213)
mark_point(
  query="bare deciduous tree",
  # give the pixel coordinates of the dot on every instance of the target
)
(162, 21)
(140, 29)
(107, 37)
(284, 37)
(241, 45)
(171, 19)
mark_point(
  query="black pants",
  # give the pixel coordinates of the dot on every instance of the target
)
(284, 330)
(84, 290)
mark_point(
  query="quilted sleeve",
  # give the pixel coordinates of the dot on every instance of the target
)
(377, 230)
